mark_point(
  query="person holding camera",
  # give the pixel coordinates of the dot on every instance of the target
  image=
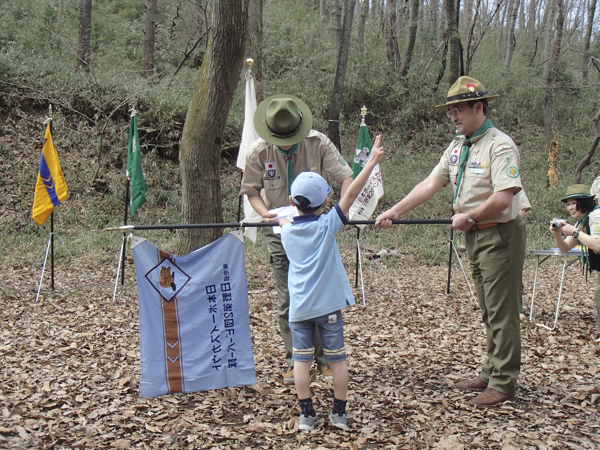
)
(586, 231)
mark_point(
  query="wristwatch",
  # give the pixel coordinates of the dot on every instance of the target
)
(575, 234)
(471, 221)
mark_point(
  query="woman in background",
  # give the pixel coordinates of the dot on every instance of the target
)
(586, 231)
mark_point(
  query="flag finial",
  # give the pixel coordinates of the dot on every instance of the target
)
(363, 113)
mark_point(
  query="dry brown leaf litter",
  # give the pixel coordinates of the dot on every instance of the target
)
(70, 370)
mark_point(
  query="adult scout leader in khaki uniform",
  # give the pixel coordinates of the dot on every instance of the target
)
(288, 147)
(482, 166)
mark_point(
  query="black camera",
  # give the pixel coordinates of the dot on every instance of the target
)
(558, 224)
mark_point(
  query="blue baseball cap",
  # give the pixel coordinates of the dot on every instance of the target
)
(312, 186)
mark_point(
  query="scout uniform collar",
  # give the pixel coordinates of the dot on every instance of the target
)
(464, 155)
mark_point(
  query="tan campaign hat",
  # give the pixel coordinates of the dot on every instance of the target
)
(466, 89)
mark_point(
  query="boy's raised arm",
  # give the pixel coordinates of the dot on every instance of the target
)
(359, 182)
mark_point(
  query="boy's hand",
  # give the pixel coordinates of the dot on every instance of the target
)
(282, 222)
(376, 151)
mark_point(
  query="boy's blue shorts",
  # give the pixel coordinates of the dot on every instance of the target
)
(331, 328)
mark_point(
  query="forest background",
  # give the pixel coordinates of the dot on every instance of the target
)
(93, 61)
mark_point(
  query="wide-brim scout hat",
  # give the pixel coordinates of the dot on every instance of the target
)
(283, 120)
(577, 191)
(466, 89)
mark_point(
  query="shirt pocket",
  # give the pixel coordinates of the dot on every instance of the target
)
(479, 177)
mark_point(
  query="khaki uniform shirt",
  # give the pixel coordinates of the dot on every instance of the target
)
(266, 167)
(492, 166)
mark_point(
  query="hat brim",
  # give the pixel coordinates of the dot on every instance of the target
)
(261, 127)
(575, 197)
(445, 105)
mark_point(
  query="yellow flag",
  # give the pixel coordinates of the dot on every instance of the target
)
(51, 187)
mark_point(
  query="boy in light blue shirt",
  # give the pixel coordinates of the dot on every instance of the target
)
(318, 285)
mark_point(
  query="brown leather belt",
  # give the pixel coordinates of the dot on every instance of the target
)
(479, 226)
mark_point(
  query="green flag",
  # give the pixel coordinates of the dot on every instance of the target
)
(135, 173)
(363, 149)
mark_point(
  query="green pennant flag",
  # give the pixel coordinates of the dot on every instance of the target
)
(135, 173)
(363, 149)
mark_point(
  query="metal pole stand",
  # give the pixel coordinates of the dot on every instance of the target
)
(453, 247)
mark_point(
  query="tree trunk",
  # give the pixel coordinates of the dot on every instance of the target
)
(587, 39)
(548, 28)
(551, 79)
(590, 153)
(336, 27)
(254, 46)
(200, 149)
(471, 37)
(59, 19)
(85, 35)
(340, 75)
(510, 34)
(362, 20)
(148, 40)
(531, 18)
(411, 38)
(434, 9)
(502, 27)
(522, 17)
(391, 43)
(322, 9)
(452, 20)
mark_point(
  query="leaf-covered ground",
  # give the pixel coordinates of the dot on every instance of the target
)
(70, 368)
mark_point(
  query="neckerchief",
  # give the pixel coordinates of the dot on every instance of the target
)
(584, 225)
(287, 155)
(464, 154)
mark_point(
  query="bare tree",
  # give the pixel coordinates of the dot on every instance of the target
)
(454, 37)
(362, 20)
(59, 19)
(200, 149)
(548, 31)
(590, 153)
(391, 42)
(587, 38)
(151, 7)
(531, 16)
(551, 79)
(340, 75)
(411, 38)
(510, 34)
(254, 45)
(85, 35)
(336, 27)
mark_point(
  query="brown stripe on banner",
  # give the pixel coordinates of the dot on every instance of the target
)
(172, 344)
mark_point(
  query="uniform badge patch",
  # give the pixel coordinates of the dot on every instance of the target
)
(271, 170)
(453, 159)
(342, 160)
(512, 172)
(503, 149)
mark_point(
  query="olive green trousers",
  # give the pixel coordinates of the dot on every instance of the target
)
(280, 264)
(497, 255)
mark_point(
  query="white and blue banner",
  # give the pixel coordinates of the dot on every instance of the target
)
(194, 318)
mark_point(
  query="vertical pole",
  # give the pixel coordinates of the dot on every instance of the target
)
(52, 247)
(357, 255)
(51, 220)
(240, 200)
(123, 256)
(450, 259)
